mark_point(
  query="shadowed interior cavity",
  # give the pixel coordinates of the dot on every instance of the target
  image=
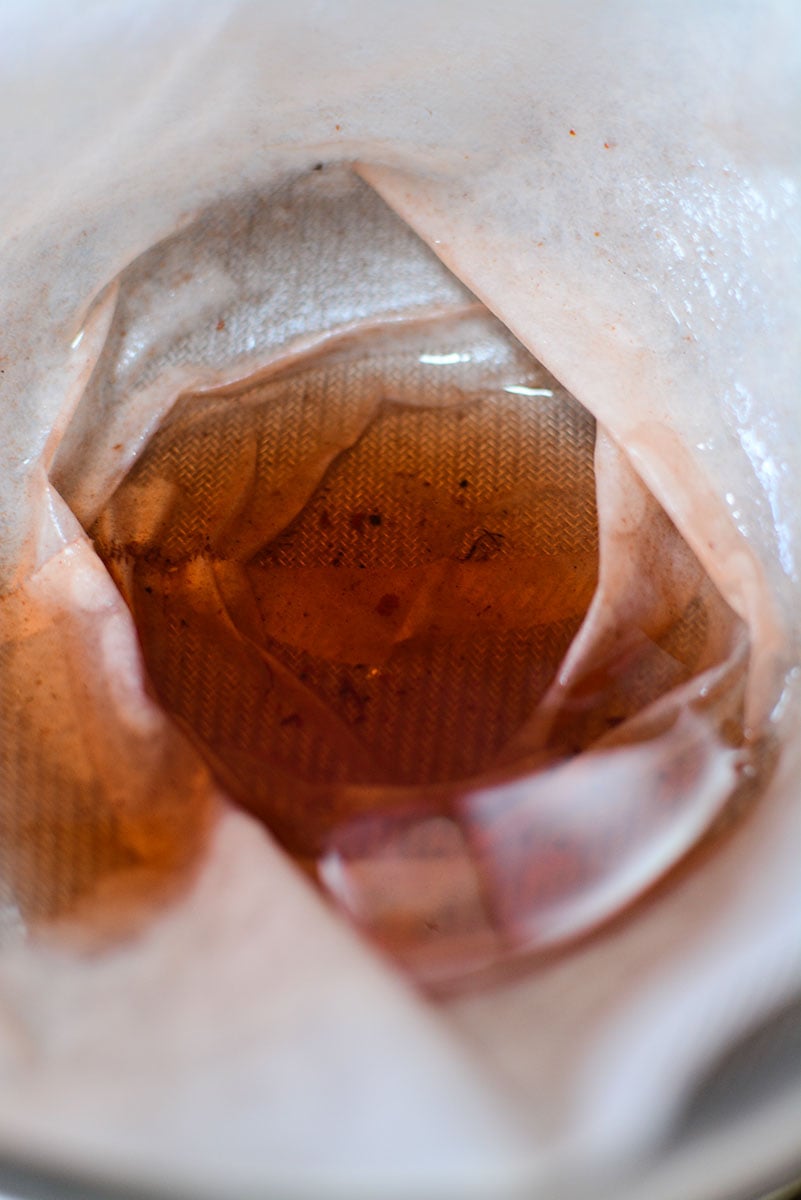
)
(367, 585)
(414, 609)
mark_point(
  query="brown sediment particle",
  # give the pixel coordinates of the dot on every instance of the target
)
(388, 604)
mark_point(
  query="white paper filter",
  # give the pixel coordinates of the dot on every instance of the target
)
(618, 185)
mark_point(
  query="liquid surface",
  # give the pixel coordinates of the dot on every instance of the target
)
(366, 572)
(354, 581)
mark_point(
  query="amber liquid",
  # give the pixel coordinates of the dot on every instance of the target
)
(353, 585)
(402, 625)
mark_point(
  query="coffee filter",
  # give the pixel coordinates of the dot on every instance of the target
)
(214, 990)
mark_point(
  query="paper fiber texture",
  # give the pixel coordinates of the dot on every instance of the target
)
(618, 184)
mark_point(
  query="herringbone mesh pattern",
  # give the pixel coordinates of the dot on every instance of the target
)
(50, 854)
(365, 571)
(82, 800)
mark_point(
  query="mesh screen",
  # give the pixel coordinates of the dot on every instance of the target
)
(364, 571)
